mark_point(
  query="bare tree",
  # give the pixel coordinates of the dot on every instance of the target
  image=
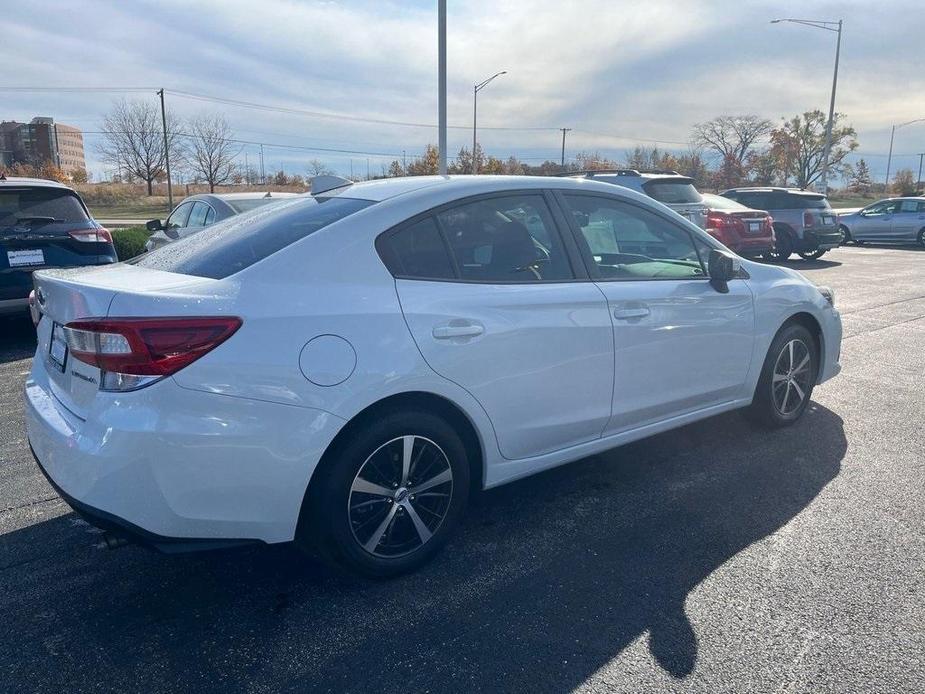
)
(316, 167)
(732, 137)
(211, 150)
(133, 140)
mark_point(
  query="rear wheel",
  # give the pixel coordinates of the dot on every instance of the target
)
(812, 255)
(783, 246)
(392, 496)
(787, 378)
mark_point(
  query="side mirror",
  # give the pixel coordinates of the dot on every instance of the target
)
(724, 266)
(172, 233)
(154, 225)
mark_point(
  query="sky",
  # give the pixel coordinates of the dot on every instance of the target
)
(618, 72)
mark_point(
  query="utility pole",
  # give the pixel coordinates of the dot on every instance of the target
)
(564, 130)
(441, 85)
(247, 170)
(263, 172)
(918, 180)
(404, 163)
(889, 157)
(166, 149)
(367, 168)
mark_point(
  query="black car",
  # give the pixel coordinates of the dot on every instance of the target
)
(44, 224)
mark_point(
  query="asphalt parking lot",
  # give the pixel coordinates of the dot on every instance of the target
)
(714, 558)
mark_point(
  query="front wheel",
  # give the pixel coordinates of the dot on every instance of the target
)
(845, 234)
(391, 497)
(787, 378)
(922, 238)
(812, 255)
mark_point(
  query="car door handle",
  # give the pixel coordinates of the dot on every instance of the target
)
(446, 332)
(627, 313)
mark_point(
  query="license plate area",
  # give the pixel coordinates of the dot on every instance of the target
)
(754, 227)
(828, 219)
(57, 347)
(26, 257)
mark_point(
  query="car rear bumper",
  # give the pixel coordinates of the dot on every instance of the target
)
(753, 246)
(823, 239)
(176, 468)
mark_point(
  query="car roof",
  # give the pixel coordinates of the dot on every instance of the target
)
(773, 189)
(38, 182)
(211, 197)
(462, 185)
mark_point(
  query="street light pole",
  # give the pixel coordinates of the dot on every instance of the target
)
(475, 112)
(918, 180)
(828, 26)
(889, 157)
(441, 86)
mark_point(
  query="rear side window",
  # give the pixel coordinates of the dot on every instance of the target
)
(39, 205)
(236, 243)
(672, 192)
(418, 251)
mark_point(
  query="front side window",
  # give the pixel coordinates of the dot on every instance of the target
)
(505, 239)
(179, 217)
(197, 217)
(880, 208)
(629, 242)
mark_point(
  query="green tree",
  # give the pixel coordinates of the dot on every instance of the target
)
(395, 169)
(426, 165)
(799, 144)
(859, 178)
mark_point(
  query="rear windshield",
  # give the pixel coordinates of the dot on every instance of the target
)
(672, 192)
(230, 246)
(247, 204)
(39, 205)
(718, 202)
(807, 202)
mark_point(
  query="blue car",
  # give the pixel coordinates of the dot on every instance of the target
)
(44, 224)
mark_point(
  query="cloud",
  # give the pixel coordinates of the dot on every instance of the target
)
(637, 70)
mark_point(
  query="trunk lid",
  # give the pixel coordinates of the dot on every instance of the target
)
(63, 296)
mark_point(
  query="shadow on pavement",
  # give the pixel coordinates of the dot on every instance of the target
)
(550, 579)
(17, 337)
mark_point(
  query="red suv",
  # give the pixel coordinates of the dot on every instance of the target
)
(746, 231)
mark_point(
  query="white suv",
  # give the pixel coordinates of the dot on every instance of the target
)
(668, 187)
(341, 369)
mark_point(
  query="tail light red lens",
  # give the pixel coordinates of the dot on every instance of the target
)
(807, 219)
(146, 346)
(98, 235)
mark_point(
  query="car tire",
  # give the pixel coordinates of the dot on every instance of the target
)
(783, 247)
(846, 235)
(367, 513)
(784, 377)
(812, 255)
(921, 238)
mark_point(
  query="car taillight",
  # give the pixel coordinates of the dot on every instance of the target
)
(98, 235)
(132, 352)
(807, 219)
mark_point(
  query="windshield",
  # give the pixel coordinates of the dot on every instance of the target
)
(230, 246)
(672, 192)
(35, 205)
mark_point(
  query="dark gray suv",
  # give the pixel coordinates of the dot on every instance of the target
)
(803, 221)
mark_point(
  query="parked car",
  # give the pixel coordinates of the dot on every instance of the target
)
(894, 220)
(803, 221)
(668, 187)
(748, 232)
(197, 212)
(341, 369)
(44, 224)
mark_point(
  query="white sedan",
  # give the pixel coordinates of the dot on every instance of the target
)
(341, 369)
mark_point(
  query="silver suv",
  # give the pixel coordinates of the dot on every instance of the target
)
(668, 187)
(803, 221)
